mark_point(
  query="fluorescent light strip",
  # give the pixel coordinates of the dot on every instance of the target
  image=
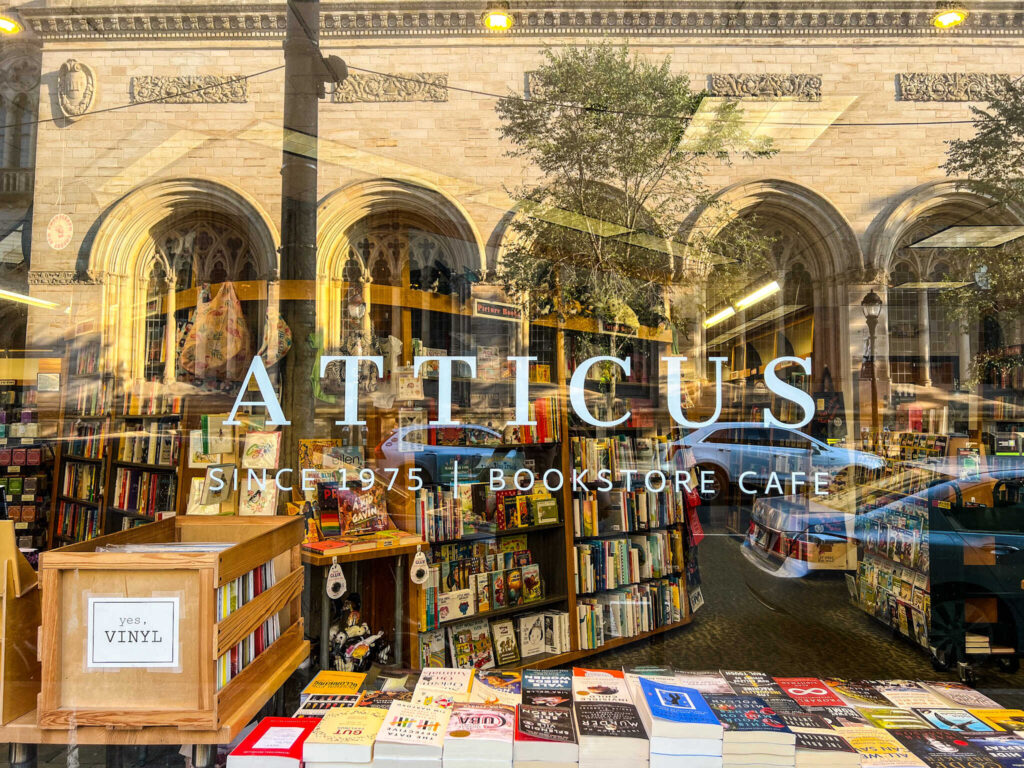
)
(23, 299)
(973, 236)
(718, 317)
(759, 295)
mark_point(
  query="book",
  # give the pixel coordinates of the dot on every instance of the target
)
(809, 692)
(908, 694)
(672, 714)
(894, 717)
(531, 634)
(329, 682)
(944, 749)
(857, 693)
(1007, 749)
(706, 681)
(480, 734)
(318, 704)
(383, 699)
(749, 719)
(547, 687)
(840, 717)
(276, 742)
(600, 685)
(433, 650)
(424, 697)
(804, 722)
(261, 450)
(954, 720)
(753, 683)
(470, 642)
(506, 649)
(411, 732)
(961, 695)
(344, 735)
(880, 748)
(497, 686)
(545, 734)
(1006, 719)
(457, 682)
(609, 731)
(824, 749)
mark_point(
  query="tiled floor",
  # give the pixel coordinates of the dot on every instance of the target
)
(750, 620)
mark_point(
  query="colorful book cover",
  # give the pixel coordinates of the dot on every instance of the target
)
(330, 682)
(752, 683)
(809, 692)
(675, 703)
(908, 694)
(704, 681)
(600, 685)
(745, 713)
(383, 699)
(457, 682)
(432, 648)
(954, 720)
(894, 717)
(481, 722)
(857, 693)
(506, 649)
(880, 748)
(533, 589)
(804, 721)
(961, 695)
(343, 733)
(497, 686)
(945, 749)
(547, 687)
(362, 511)
(424, 697)
(841, 717)
(261, 450)
(411, 725)
(1006, 749)
(318, 704)
(1005, 719)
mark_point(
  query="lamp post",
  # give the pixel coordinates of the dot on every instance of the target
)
(871, 306)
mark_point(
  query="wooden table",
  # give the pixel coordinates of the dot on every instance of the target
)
(324, 562)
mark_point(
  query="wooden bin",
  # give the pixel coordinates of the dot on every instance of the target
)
(19, 623)
(89, 680)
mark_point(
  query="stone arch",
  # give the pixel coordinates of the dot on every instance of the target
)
(123, 251)
(427, 210)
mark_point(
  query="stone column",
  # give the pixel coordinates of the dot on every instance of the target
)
(924, 338)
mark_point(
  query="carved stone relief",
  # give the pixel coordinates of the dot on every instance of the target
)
(949, 86)
(766, 86)
(65, 277)
(404, 86)
(19, 73)
(190, 89)
(76, 88)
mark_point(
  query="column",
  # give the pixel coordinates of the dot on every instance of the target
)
(924, 338)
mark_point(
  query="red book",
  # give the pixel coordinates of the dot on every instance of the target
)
(809, 692)
(275, 743)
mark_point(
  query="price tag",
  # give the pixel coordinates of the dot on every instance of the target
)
(28, 497)
(14, 468)
(21, 526)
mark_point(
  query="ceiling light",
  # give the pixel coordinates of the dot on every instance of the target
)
(21, 298)
(971, 236)
(718, 317)
(9, 26)
(949, 16)
(498, 17)
(761, 293)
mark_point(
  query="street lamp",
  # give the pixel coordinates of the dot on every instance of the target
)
(498, 16)
(871, 306)
(9, 25)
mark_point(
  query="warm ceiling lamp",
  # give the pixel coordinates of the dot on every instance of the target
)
(32, 301)
(718, 317)
(760, 294)
(498, 16)
(949, 16)
(8, 25)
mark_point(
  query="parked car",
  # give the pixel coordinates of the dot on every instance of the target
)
(477, 448)
(730, 450)
(962, 530)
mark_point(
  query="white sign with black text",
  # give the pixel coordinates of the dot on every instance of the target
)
(133, 631)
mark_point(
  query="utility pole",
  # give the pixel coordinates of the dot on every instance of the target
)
(305, 74)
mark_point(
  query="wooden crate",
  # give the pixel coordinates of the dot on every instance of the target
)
(19, 623)
(90, 680)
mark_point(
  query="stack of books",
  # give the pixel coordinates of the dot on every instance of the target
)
(754, 735)
(681, 728)
(610, 728)
(545, 732)
(479, 735)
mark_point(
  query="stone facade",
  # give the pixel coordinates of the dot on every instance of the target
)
(846, 185)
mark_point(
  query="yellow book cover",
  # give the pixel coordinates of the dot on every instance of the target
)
(344, 735)
(879, 748)
(330, 682)
(1005, 719)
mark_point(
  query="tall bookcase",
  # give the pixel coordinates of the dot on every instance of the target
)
(82, 463)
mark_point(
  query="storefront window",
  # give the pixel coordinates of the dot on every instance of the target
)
(484, 354)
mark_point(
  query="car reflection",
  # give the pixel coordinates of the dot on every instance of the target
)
(754, 457)
(435, 450)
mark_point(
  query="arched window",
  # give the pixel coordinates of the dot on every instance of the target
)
(904, 324)
(4, 131)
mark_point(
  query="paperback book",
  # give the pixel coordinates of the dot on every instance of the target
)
(954, 720)
(547, 687)
(809, 692)
(944, 749)
(344, 735)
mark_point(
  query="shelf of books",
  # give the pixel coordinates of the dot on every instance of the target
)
(85, 426)
(537, 573)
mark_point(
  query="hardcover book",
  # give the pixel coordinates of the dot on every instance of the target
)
(608, 719)
(545, 734)
(479, 730)
(674, 712)
(954, 720)
(809, 692)
(344, 735)
(506, 650)
(276, 742)
(410, 731)
(547, 687)
(471, 646)
(944, 749)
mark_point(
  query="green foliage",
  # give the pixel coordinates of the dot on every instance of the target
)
(991, 162)
(616, 174)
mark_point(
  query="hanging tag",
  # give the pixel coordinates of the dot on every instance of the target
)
(336, 584)
(419, 572)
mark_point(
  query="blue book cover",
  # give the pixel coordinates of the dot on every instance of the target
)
(675, 703)
(1006, 750)
(953, 720)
